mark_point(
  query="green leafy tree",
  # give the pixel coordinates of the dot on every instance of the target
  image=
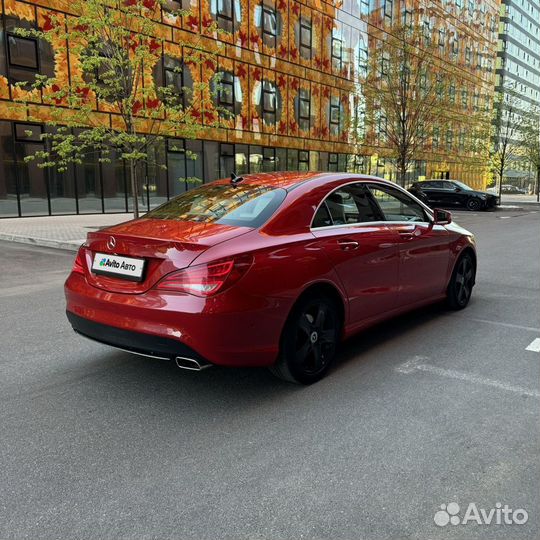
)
(116, 44)
(407, 97)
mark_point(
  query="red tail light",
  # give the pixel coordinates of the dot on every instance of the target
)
(206, 279)
(78, 264)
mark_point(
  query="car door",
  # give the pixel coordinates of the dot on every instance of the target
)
(363, 249)
(423, 246)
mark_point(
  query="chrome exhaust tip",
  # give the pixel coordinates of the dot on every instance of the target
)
(191, 363)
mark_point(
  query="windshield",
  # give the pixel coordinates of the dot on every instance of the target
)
(462, 185)
(242, 205)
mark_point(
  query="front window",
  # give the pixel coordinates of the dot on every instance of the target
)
(241, 206)
(397, 206)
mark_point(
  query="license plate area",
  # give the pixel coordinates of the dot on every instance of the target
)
(117, 266)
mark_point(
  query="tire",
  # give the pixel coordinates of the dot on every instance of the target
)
(474, 204)
(461, 283)
(309, 341)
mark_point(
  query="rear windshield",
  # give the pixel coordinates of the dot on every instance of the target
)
(241, 206)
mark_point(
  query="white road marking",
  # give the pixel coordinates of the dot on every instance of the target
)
(509, 325)
(416, 365)
(505, 217)
(534, 345)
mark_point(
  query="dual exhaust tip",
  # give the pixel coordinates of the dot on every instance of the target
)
(191, 363)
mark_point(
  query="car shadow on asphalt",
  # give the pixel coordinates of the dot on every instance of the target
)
(139, 378)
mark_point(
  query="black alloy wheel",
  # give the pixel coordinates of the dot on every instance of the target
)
(309, 341)
(474, 204)
(462, 282)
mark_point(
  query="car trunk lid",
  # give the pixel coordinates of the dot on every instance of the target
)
(165, 245)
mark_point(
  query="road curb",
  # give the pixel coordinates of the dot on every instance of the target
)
(70, 245)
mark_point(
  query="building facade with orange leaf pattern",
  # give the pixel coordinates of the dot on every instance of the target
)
(290, 73)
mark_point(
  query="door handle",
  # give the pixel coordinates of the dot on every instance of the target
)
(348, 245)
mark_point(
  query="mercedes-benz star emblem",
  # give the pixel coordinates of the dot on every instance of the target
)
(111, 242)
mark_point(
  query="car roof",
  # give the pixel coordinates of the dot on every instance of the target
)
(290, 180)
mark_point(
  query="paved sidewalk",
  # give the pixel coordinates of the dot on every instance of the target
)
(61, 232)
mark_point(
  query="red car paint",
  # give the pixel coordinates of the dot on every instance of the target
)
(378, 269)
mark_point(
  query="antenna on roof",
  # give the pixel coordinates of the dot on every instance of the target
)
(236, 179)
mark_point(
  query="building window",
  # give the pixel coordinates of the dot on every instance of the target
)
(227, 13)
(269, 160)
(464, 99)
(388, 11)
(426, 30)
(337, 51)
(468, 56)
(303, 160)
(364, 7)
(174, 6)
(228, 93)
(455, 48)
(362, 61)
(175, 86)
(268, 100)
(303, 109)
(335, 116)
(407, 18)
(28, 132)
(23, 52)
(305, 38)
(269, 23)
(449, 140)
(442, 39)
(435, 138)
(332, 162)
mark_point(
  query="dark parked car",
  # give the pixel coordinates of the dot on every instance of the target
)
(452, 193)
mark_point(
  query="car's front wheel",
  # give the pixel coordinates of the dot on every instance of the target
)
(474, 204)
(461, 283)
(309, 341)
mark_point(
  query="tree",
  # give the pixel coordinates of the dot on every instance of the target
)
(407, 96)
(531, 145)
(115, 45)
(508, 122)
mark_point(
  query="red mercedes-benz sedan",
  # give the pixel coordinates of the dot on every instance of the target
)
(267, 270)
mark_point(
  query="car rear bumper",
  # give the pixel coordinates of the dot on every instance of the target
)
(230, 329)
(134, 342)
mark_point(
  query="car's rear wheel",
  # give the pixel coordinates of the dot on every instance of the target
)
(309, 341)
(461, 283)
(474, 204)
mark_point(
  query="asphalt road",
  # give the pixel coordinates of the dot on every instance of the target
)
(432, 408)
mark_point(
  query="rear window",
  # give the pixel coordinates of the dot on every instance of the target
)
(242, 205)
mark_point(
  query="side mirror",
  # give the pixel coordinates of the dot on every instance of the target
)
(457, 189)
(441, 217)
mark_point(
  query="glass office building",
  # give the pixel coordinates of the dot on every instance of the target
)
(518, 68)
(291, 70)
